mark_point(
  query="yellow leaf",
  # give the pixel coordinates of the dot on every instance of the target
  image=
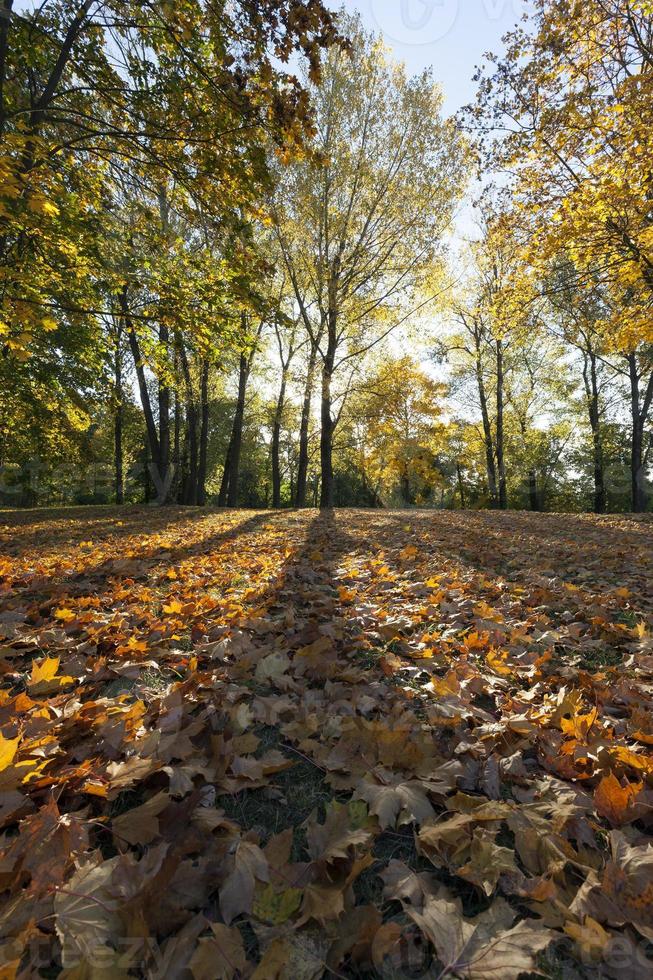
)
(65, 615)
(45, 670)
(496, 659)
(173, 607)
(8, 749)
(408, 552)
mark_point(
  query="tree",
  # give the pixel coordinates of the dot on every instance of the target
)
(360, 220)
(398, 413)
(572, 99)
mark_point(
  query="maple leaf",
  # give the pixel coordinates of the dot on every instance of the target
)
(141, 825)
(337, 836)
(485, 948)
(173, 608)
(65, 615)
(276, 907)
(616, 801)
(44, 670)
(8, 749)
(487, 861)
(87, 916)
(248, 865)
(220, 956)
(390, 799)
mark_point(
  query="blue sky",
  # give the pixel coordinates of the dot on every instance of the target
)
(450, 36)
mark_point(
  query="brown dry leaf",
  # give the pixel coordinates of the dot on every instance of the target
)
(336, 837)
(220, 956)
(390, 800)
(248, 865)
(141, 825)
(87, 916)
(487, 861)
(483, 948)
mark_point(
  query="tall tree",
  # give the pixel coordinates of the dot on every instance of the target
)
(361, 220)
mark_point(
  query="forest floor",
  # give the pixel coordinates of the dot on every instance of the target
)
(290, 745)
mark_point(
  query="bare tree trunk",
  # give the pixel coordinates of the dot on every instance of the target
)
(302, 464)
(326, 439)
(501, 465)
(461, 486)
(164, 421)
(233, 454)
(176, 448)
(276, 441)
(487, 435)
(594, 409)
(229, 487)
(118, 419)
(405, 487)
(224, 485)
(639, 413)
(533, 496)
(327, 498)
(158, 461)
(204, 434)
(189, 490)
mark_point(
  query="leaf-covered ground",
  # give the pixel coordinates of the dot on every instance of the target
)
(281, 745)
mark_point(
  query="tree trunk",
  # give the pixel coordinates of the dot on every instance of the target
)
(276, 441)
(639, 496)
(461, 487)
(594, 408)
(405, 488)
(147, 478)
(164, 423)
(533, 496)
(229, 487)
(487, 436)
(302, 463)
(189, 491)
(326, 440)
(158, 461)
(327, 498)
(176, 449)
(204, 434)
(501, 465)
(224, 485)
(118, 400)
(237, 433)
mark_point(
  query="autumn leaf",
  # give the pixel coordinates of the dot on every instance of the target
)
(65, 615)
(221, 956)
(45, 670)
(615, 800)
(484, 948)
(276, 907)
(390, 800)
(8, 749)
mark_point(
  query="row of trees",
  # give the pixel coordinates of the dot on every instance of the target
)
(564, 121)
(213, 269)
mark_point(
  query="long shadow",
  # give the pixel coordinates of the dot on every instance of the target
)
(22, 530)
(517, 547)
(94, 579)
